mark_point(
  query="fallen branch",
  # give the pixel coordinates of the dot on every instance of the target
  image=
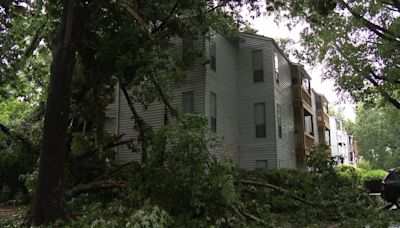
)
(258, 220)
(105, 147)
(92, 187)
(277, 188)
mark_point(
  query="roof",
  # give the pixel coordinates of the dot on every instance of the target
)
(260, 37)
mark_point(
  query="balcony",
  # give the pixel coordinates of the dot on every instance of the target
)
(323, 119)
(306, 97)
(308, 140)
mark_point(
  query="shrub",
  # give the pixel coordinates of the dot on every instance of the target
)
(350, 174)
(371, 179)
(375, 174)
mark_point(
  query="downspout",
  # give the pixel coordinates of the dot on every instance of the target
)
(117, 93)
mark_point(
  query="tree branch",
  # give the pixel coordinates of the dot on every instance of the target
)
(277, 188)
(105, 147)
(163, 97)
(143, 137)
(383, 78)
(27, 144)
(383, 92)
(378, 30)
(167, 18)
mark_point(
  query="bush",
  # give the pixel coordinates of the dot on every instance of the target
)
(372, 179)
(375, 174)
(350, 174)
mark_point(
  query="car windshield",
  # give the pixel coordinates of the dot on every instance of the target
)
(394, 175)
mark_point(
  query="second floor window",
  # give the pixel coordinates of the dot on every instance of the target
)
(276, 66)
(258, 73)
(213, 111)
(187, 102)
(279, 115)
(213, 55)
(259, 115)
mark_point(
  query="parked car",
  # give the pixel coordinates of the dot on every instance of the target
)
(391, 186)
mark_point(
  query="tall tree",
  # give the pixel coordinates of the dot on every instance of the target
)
(377, 132)
(48, 200)
(358, 42)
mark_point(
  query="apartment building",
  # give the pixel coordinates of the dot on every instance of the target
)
(304, 114)
(260, 104)
(344, 146)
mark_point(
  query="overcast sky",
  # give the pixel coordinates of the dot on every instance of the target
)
(267, 27)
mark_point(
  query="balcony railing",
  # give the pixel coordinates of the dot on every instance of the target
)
(308, 140)
(306, 97)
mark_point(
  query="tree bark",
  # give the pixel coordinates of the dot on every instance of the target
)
(48, 199)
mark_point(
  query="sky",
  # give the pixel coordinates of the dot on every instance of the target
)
(266, 26)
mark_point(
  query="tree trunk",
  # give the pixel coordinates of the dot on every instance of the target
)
(48, 200)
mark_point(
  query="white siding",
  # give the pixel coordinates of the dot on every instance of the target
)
(249, 93)
(286, 156)
(154, 115)
(222, 82)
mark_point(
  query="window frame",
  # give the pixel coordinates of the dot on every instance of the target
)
(279, 119)
(191, 100)
(258, 126)
(213, 55)
(276, 66)
(213, 119)
(261, 168)
(256, 78)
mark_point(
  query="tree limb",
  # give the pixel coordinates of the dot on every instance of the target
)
(387, 96)
(163, 97)
(383, 78)
(105, 147)
(277, 188)
(143, 137)
(167, 18)
(92, 187)
(378, 30)
(27, 144)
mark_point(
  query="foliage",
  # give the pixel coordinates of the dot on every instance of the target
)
(377, 131)
(320, 160)
(356, 41)
(351, 173)
(376, 174)
(13, 164)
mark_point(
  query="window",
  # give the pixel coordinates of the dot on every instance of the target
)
(276, 61)
(328, 137)
(213, 56)
(187, 102)
(258, 73)
(279, 115)
(259, 111)
(306, 84)
(308, 124)
(261, 164)
(213, 111)
(187, 48)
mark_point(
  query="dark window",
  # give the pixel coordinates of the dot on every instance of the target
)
(279, 115)
(308, 124)
(262, 164)
(259, 113)
(187, 102)
(258, 73)
(276, 64)
(213, 111)
(187, 48)
(213, 54)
